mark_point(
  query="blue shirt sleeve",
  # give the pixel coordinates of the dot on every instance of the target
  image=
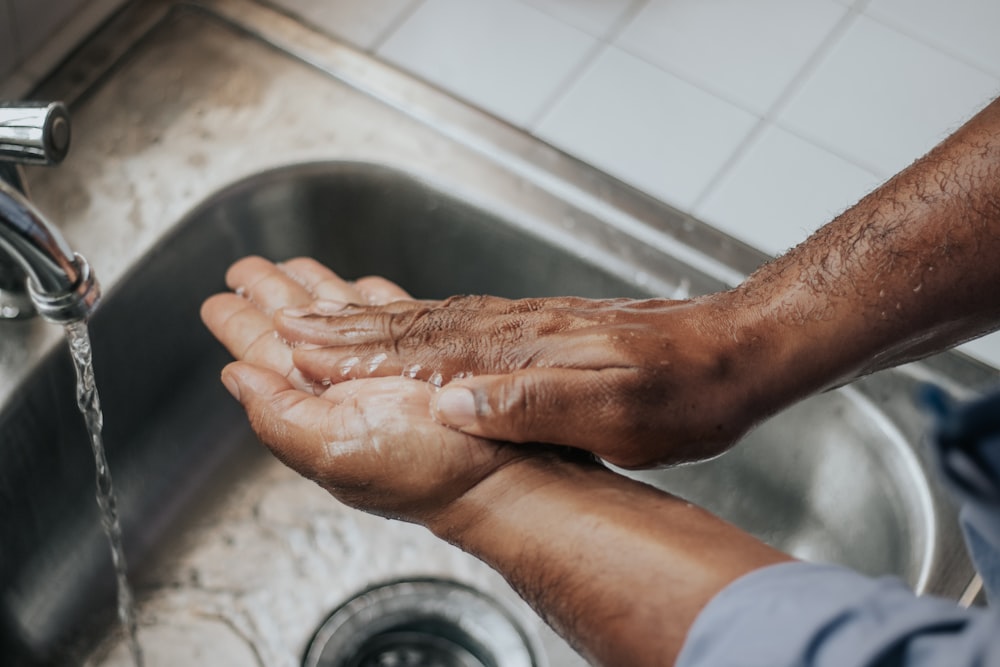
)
(803, 614)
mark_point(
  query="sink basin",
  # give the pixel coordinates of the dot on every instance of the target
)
(832, 479)
(237, 560)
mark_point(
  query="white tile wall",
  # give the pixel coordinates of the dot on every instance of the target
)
(505, 56)
(965, 28)
(647, 118)
(362, 22)
(788, 182)
(595, 17)
(744, 51)
(883, 99)
(762, 117)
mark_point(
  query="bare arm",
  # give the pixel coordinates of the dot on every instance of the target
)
(618, 568)
(910, 270)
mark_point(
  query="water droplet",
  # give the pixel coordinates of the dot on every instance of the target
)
(436, 379)
(376, 361)
(348, 365)
(412, 371)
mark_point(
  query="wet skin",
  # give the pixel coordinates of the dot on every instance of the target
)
(527, 511)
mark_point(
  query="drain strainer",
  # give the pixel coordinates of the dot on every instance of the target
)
(420, 623)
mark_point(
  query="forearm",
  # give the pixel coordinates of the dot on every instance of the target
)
(618, 568)
(910, 270)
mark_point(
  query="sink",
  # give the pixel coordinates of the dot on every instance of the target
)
(832, 479)
(238, 560)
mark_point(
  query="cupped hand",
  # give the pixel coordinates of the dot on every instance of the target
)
(372, 443)
(639, 383)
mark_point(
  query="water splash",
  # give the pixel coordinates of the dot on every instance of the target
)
(90, 406)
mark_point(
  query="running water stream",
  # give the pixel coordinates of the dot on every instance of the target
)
(90, 405)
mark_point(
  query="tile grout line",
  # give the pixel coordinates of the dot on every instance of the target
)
(940, 47)
(832, 150)
(394, 25)
(602, 45)
(794, 86)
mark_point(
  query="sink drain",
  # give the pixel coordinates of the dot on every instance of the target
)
(420, 623)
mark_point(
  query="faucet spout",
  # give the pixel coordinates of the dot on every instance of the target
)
(59, 281)
(37, 266)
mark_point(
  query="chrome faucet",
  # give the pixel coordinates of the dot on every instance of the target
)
(39, 273)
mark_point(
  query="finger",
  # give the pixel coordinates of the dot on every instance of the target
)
(264, 284)
(329, 365)
(249, 335)
(245, 331)
(485, 321)
(335, 364)
(579, 408)
(377, 290)
(330, 323)
(302, 430)
(321, 282)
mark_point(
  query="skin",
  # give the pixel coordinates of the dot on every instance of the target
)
(580, 543)
(910, 270)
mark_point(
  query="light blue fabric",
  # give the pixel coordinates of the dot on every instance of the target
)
(810, 615)
(804, 614)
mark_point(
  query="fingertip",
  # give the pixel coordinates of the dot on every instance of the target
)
(208, 307)
(230, 380)
(235, 275)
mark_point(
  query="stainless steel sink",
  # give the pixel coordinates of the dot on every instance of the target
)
(333, 155)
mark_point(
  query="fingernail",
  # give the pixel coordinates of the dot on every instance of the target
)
(456, 406)
(231, 384)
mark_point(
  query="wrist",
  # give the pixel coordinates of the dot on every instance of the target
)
(617, 567)
(499, 493)
(748, 373)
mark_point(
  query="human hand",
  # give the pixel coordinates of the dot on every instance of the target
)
(639, 383)
(372, 443)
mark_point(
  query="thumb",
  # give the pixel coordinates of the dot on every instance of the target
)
(551, 405)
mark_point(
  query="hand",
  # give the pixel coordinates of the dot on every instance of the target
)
(372, 443)
(554, 529)
(639, 383)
